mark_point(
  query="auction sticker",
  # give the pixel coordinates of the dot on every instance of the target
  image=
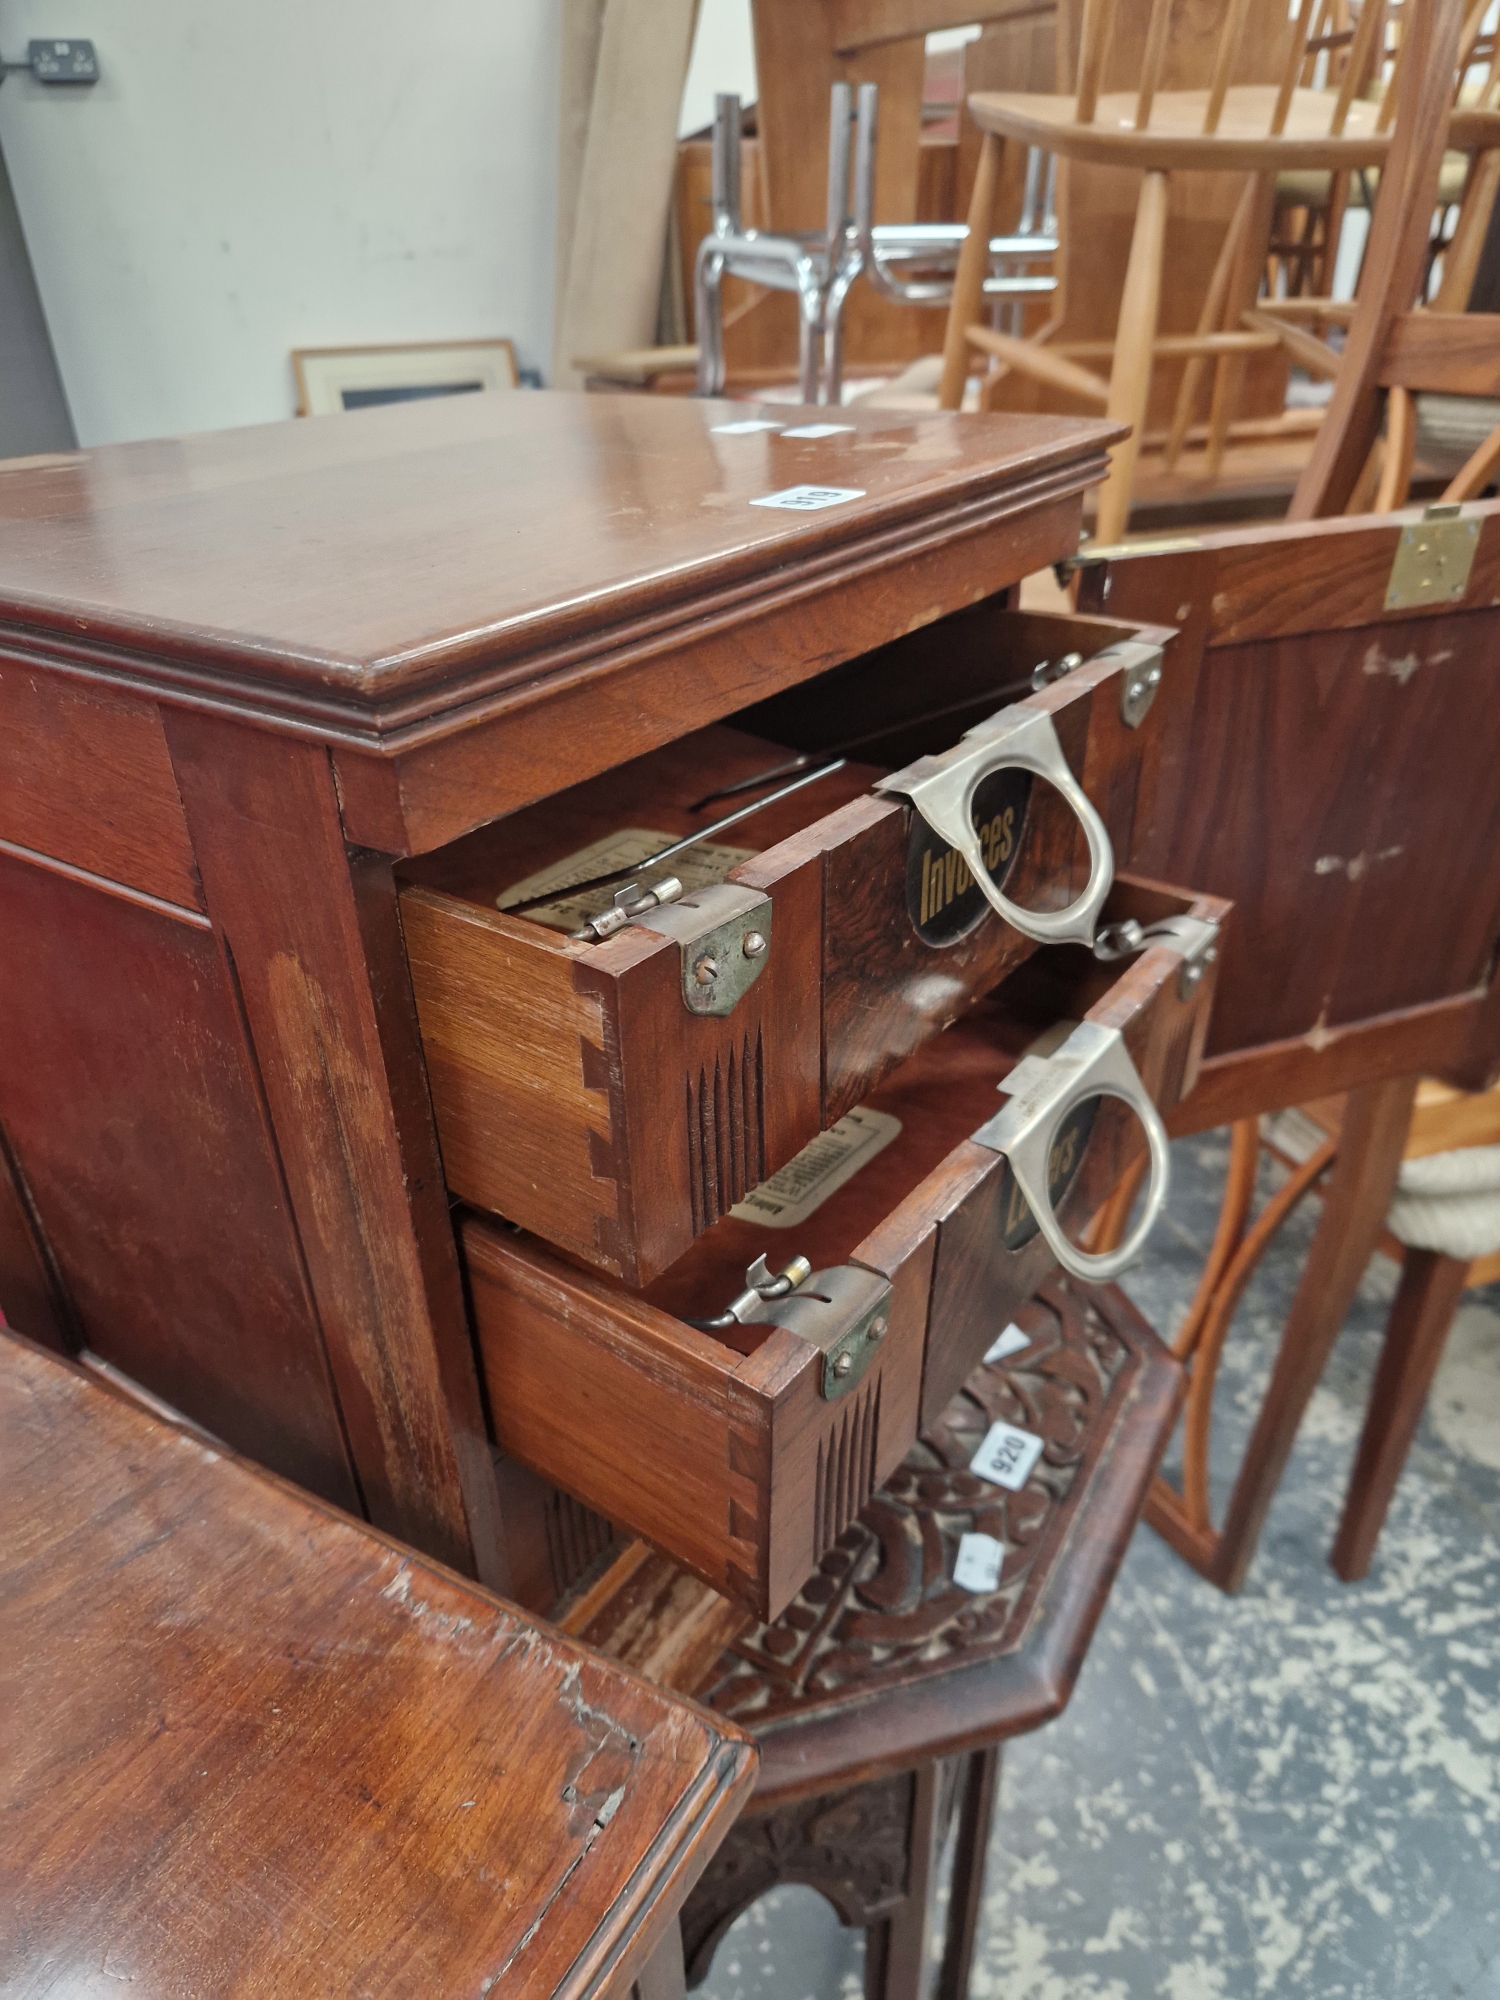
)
(1007, 1456)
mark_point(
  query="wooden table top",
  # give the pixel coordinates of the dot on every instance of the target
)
(373, 555)
(250, 1748)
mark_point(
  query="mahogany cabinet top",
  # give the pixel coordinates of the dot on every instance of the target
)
(252, 1748)
(354, 575)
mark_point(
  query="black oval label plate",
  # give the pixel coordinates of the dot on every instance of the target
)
(1017, 1224)
(942, 897)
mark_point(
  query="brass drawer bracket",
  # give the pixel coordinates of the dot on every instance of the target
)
(724, 935)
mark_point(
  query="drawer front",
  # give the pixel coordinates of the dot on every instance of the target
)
(738, 1464)
(579, 1095)
(990, 1258)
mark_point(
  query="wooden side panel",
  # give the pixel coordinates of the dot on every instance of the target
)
(1341, 792)
(313, 941)
(131, 1100)
(523, 1117)
(619, 1404)
(85, 777)
(1326, 576)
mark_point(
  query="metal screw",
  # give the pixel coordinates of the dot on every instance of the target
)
(754, 944)
(877, 1328)
(706, 971)
(1153, 679)
(844, 1363)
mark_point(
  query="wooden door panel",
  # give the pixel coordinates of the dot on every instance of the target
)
(128, 1094)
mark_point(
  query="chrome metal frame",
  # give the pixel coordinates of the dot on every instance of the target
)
(909, 263)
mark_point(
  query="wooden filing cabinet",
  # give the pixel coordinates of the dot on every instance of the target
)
(245, 679)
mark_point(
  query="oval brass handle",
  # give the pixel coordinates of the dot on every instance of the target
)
(942, 790)
(1092, 1062)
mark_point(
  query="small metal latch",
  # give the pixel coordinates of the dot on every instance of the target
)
(724, 935)
(845, 1311)
(629, 906)
(1433, 559)
(1140, 677)
(1195, 937)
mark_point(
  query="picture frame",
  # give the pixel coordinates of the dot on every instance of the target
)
(333, 380)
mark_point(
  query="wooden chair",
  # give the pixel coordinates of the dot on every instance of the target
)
(881, 1697)
(1396, 346)
(1337, 781)
(1250, 130)
(1444, 1121)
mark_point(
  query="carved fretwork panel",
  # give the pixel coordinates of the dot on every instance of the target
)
(852, 1847)
(882, 1606)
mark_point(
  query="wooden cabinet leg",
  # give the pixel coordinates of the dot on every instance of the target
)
(976, 1816)
(896, 1949)
(662, 1977)
(1371, 1142)
(313, 935)
(1430, 1289)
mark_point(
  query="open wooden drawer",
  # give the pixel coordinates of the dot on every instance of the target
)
(617, 1096)
(745, 1449)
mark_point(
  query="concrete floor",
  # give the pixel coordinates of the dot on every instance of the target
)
(1291, 1792)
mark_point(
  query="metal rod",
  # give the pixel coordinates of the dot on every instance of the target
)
(676, 846)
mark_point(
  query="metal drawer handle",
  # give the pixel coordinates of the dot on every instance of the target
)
(942, 789)
(1041, 1091)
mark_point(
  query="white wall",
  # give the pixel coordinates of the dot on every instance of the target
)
(251, 176)
(723, 58)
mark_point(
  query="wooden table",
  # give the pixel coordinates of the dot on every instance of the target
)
(242, 676)
(250, 1747)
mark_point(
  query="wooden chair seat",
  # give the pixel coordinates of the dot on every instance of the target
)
(1175, 138)
(879, 1698)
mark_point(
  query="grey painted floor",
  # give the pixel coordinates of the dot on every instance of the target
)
(1296, 1791)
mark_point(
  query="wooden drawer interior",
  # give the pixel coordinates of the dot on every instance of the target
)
(576, 1093)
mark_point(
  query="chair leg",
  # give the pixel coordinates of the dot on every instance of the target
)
(976, 1818)
(968, 280)
(1430, 1289)
(1135, 336)
(809, 347)
(1400, 449)
(896, 1948)
(1244, 289)
(1371, 1143)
